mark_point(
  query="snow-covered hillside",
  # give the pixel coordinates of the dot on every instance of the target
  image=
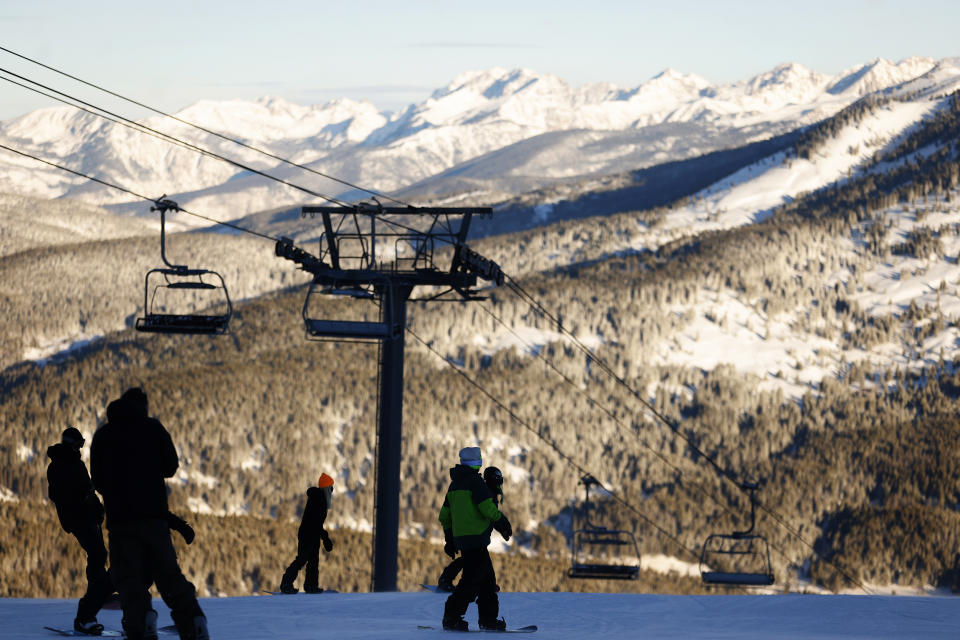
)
(723, 327)
(478, 113)
(557, 615)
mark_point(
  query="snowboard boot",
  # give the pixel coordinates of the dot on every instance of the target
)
(492, 624)
(451, 623)
(150, 625)
(200, 631)
(90, 627)
(287, 587)
(313, 589)
(191, 625)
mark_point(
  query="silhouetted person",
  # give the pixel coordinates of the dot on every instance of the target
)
(81, 514)
(493, 478)
(468, 516)
(310, 536)
(130, 458)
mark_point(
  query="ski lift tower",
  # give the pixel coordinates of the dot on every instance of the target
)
(379, 253)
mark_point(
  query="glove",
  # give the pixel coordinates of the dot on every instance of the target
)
(180, 525)
(449, 547)
(327, 544)
(503, 527)
(187, 532)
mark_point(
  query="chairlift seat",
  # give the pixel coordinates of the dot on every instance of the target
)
(348, 330)
(345, 329)
(183, 323)
(748, 554)
(180, 277)
(738, 545)
(590, 536)
(604, 571)
(734, 578)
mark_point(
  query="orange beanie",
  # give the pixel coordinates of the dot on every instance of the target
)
(324, 481)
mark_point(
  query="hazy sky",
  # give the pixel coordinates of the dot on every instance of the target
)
(170, 54)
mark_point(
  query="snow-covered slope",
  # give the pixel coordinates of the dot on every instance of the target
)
(478, 113)
(31, 222)
(724, 327)
(749, 194)
(558, 616)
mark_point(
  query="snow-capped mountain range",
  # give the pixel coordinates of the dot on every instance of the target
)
(488, 134)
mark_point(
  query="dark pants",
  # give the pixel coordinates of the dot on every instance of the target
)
(308, 553)
(140, 553)
(477, 582)
(99, 584)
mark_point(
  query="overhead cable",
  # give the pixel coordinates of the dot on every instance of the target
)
(205, 130)
(609, 412)
(113, 117)
(134, 193)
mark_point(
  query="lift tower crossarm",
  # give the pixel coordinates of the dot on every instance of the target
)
(383, 225)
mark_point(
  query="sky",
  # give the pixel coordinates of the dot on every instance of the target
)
(172, 54)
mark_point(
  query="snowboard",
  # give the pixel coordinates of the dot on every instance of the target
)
(107, 633)
(434, 588)
(281, 593)
(528, 629)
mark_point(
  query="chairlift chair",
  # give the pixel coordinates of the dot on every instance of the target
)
(179, 280)
(343, 330)
(741, 558)
(590, 537)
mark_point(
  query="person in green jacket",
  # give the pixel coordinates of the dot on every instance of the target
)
(468, 516)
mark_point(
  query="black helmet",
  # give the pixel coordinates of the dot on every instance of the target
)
(494, 479)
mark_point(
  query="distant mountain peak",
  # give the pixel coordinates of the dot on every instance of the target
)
(669, 72)
(880, 73)
(497, 82)
(788, 75)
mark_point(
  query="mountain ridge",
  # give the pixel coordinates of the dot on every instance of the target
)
(477, 113)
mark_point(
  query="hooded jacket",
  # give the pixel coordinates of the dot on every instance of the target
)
(314, 515)
(130, 457)
(469, 510)
(70, 488)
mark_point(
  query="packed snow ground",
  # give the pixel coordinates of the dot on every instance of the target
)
(558, 616)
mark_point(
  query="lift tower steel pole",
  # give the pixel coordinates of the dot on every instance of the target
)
(389, 444)
(383, 254)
